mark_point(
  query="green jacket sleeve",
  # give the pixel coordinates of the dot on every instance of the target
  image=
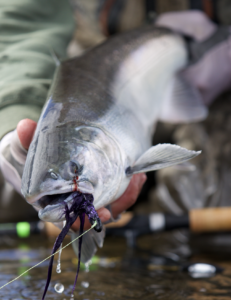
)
(29, 30)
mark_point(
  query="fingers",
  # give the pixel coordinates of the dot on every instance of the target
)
(130, 195)
(103, 213)
(25, 130)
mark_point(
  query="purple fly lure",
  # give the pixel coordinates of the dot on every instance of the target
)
(82, 205)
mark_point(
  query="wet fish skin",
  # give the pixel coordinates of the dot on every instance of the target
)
(100, 117)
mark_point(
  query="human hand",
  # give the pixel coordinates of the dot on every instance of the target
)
(13, 151)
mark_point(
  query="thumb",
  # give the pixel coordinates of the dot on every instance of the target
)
(25, 131)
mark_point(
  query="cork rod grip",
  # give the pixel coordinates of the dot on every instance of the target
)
(210, 219)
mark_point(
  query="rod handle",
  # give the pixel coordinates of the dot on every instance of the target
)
(210, 219)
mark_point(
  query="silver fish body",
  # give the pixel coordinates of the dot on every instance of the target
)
(96, 128)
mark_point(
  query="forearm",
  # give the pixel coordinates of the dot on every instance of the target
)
(29, 29)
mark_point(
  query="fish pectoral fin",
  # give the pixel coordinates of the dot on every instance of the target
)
(91, 240)
(161, 156)
(182, 103)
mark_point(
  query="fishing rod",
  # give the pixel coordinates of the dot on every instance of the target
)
(197, 220)
(202, 220)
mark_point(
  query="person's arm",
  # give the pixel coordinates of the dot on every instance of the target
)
(29, 30)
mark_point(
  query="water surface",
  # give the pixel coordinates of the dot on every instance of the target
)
(117, 272)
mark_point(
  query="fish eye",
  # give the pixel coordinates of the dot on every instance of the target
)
(75, 168)
(53, 175)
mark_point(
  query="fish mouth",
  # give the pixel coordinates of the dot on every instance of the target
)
(52, 206)
(53, 199)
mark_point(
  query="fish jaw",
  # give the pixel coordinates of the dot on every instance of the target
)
(49, 187)
(55, 212)
(51, 204)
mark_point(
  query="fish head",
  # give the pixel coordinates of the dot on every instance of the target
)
(64, 160)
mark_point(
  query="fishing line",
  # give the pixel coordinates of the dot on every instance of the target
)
(95, 223)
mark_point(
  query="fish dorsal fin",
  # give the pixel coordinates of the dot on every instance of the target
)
(161, 156)
(182, 103)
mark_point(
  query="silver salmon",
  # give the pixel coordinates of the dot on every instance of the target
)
(97, 125)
